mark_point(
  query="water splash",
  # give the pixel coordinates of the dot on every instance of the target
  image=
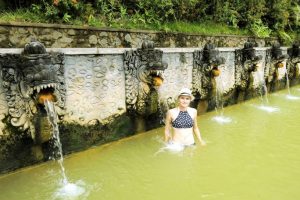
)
(269, 109)
(292, 97)
(264, 96)
(171, 147)
(174, 147)
(71, 191)
(222, 119)
(289, 96)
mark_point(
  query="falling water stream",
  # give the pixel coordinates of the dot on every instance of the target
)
(52, 117)
(263, 92)
(254, 157)
(67, 189)
(289, 95)
(220, 118)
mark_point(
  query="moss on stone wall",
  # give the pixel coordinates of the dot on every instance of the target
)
(75, 137)
(15, 148)
(18, 150)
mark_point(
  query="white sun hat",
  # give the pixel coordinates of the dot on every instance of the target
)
(185, 92)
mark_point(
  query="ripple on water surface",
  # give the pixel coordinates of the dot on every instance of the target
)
(270, 109)
(222, 119)
(292, 97)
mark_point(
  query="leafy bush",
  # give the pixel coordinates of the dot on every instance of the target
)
(261, 17)
(259, 29)
(61, 10)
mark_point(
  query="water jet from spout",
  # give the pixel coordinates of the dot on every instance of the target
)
(220, 118)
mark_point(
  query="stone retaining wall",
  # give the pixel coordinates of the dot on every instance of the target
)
(16, 35)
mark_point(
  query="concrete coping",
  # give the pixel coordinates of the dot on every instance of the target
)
(103, 51)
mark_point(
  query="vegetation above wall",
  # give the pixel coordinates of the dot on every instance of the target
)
(249, 17)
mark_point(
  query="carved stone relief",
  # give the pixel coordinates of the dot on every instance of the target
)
(247, 63)
(24, 77)
(205, 70)
(176, 76)
(275, 64)
(259, 74)
(293, 63)
(226, 80)
(3, 105)
(95, 88)
(143, 74)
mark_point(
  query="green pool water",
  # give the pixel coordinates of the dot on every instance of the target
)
(254, 156)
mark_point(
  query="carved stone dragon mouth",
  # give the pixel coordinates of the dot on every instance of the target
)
(152, 73)
(156, 73)
(39, 79)
(277, 54)
(144, 74)
(39, 88)
(206, 68)
(34, 91)
(33, 77)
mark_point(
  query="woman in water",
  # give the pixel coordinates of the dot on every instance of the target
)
(183, 119)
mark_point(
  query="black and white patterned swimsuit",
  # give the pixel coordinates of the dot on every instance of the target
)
(183, 120)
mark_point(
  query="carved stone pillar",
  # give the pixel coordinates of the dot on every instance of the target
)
(144, 74)
(246, 63)
(276, 65)
(205, 69)
(26, 77)
(293, 63)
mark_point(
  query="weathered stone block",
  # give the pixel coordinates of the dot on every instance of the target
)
(93, 39)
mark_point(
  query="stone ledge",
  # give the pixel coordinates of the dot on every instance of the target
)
(63, 26)
(107, 51)
(16, 35)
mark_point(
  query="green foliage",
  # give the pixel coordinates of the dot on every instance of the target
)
(294, 12)
(260, 17)
(207, 28)
(259, 29)
(23, 15)
(285, 38)
(226, 13)
(277, 15)
(61, 10)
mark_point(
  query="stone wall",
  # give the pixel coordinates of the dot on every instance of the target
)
(16, 35)
(96, 102)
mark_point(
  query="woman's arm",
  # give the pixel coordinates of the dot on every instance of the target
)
(197, 131)
(168, 135)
